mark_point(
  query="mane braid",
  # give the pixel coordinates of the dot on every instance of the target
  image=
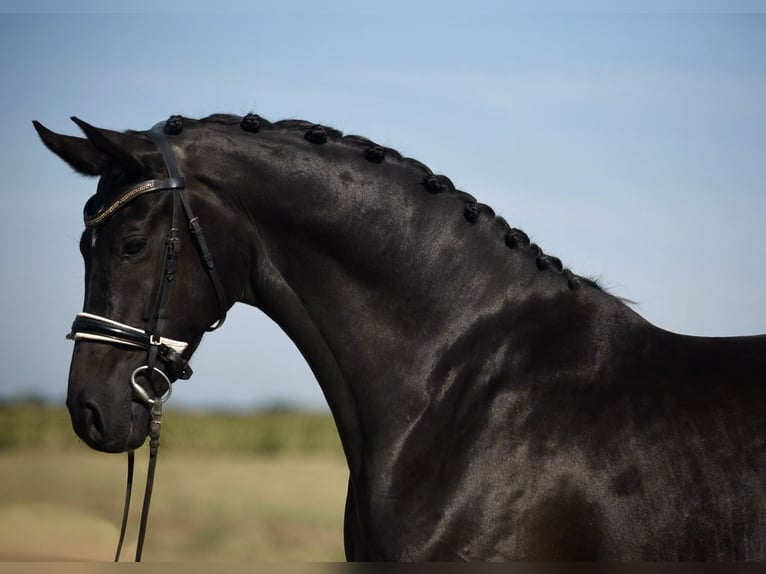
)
(435, 183)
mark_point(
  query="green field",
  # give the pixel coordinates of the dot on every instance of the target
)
(267, 486)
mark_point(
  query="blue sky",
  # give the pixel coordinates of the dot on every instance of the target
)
(631, 144)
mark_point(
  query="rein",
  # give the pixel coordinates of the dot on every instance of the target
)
(88, 327)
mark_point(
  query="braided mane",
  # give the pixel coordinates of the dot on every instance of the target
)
(433, 183)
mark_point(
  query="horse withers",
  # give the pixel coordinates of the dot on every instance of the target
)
(491, 404)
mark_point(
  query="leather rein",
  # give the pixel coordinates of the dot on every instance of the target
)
(169, 352)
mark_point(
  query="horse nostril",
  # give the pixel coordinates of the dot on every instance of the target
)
(94, 422)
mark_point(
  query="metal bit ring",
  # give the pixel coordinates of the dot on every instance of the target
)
(141, 392)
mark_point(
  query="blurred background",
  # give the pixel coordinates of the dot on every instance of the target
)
(628, 139)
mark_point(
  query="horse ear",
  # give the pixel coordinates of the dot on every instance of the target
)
(79, 153)
(123, 148)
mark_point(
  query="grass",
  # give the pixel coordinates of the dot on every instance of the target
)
(268, 486)
(265, 433)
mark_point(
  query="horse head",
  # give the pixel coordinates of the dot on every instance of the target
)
(148, 299)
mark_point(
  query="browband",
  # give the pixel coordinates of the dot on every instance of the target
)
(129, 194)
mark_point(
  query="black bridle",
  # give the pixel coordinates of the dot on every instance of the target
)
(169, 352)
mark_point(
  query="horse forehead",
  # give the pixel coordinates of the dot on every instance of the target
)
(107, 190)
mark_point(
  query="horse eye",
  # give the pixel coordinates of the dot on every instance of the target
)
(133, 246)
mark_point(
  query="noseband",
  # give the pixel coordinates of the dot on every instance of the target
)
(169, 352)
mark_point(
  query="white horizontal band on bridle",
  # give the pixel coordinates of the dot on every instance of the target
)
(178, 346)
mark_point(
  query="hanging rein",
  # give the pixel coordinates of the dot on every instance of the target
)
(169, 352)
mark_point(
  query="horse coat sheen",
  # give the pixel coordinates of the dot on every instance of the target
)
(491, 404)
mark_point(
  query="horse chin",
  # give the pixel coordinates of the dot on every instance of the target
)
(111, 434)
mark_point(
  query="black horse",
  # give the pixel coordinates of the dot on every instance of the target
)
(491, 404)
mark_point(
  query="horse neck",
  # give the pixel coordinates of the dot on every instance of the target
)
(374, 279)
